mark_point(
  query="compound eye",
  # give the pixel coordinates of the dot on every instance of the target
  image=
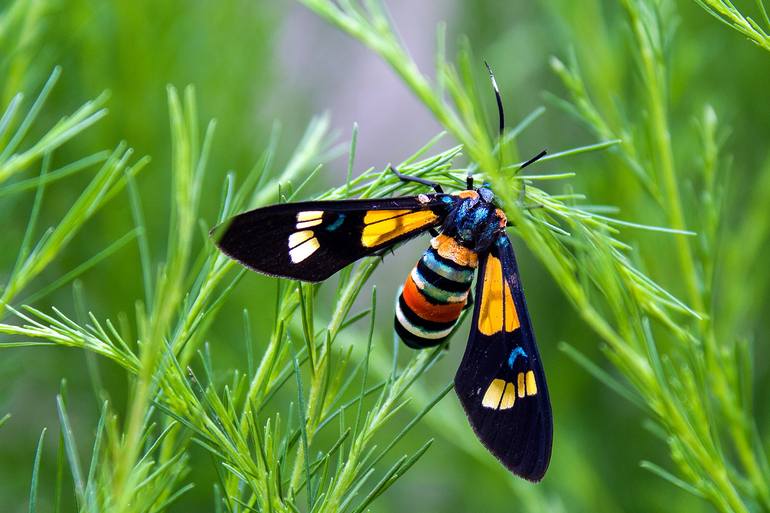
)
(486, 194)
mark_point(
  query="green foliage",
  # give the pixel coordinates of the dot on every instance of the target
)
(690, 382)
(696, 381)
(107, 182)
(262, 448)
(727, 13)
(319, 415)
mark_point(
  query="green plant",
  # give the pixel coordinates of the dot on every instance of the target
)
(690, 381)
(726, 12)
(261, 447)
(311, 419)
(17, 154)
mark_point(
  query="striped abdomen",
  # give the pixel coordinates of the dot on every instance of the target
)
(435, 293)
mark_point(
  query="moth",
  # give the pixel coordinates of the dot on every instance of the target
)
(500, 381)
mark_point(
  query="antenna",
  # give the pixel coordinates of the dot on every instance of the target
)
(500, 111)
(533, 159)
(500, 116)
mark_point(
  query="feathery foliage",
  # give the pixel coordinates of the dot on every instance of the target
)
(726, 12)
(263, 449)
(319, 415)
(688, 380)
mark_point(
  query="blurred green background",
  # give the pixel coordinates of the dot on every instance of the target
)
(258, 63)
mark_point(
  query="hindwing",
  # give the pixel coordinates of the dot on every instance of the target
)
(500, 381)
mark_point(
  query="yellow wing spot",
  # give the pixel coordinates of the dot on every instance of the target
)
(496, 301)
(493, 394)
(520, 386)
(509, 397)
(531, 383)
(309, 215)
(384, 225)
(450, 249)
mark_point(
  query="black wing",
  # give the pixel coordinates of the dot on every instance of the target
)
(500, 382)
(312, 240)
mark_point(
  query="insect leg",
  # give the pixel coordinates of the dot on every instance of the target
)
(416, 179)
(384, 252)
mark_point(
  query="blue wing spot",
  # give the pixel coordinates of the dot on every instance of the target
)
(517, 351)
(337, 223)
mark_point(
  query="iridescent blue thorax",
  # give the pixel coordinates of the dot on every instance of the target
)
(475, 222)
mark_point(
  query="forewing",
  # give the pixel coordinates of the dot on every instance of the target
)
(500, 382)
(312, 240)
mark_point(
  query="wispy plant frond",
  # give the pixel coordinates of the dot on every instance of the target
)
(316, 416)
(270, 457)
(730, 15)
(665, 347)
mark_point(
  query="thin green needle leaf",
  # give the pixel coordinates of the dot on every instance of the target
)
(249, 342)
(362, 393)
(82, 268)
(144, 245)
(24, 250)
(417, 418)
(71, 450)
(601, 375)
(571, 152)
(546, 177)
(351, 158)
(31, 115)
(524, 124)
(303, 430)
(668, 476)
(35, 473)
(9, 115)
(647, 227)
(56, 175)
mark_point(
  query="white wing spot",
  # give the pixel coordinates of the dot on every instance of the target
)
(297, 238)
(309, 215)
(308, 224)
(304, 250)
